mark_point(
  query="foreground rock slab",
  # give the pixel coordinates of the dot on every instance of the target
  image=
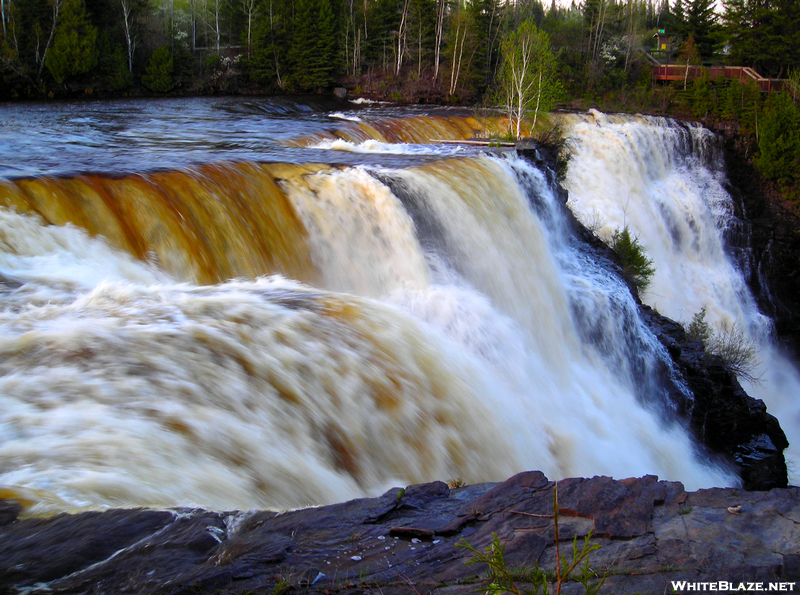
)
(651, 533)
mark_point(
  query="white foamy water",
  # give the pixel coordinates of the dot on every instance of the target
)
(374, 146)
(666, 183)
(246, 394)
(448, 338)
(343, 116)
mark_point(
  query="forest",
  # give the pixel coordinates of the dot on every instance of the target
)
(524, 56)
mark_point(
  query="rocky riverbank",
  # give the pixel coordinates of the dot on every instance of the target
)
(650, 533)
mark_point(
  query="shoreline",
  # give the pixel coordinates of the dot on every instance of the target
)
(649, 534)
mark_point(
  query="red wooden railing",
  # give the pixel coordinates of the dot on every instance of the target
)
(677, 72)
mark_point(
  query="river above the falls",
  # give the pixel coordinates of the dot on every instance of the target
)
(133, 136)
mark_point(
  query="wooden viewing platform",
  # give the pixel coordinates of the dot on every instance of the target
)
(677, 72)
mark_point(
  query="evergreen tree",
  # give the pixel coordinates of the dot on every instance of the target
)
(751, 108)
(158, 75)
(779, 140)
(421, 31)
(74, 49)
(764, 34)
(703, 100)
(314, 44)
(732, 100)
(676, 20)
(268, 64)
(383, 18)
(700, 22)
(113, 64)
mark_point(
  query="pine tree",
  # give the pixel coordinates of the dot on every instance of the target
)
(779, 140)
(700, 22)
(313, 44)
(703, 100)
(751, 108)
(732, 100)
(158, 75)
(74, 49)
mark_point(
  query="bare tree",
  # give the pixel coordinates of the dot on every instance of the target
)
(193, 18)
(458, 50)
(3, 15)
(211, 18)
(441, 6)
(527, 84)
(250, 8)
(41, 53)
(130, 39)
(401, 35)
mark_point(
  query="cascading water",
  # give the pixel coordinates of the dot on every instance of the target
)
(451, 325)
(665, 181)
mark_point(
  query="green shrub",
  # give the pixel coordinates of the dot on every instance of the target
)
(703, 100)
(736, 349)
(779, 140)
(500, 579)
(635, 263)
(158, 74)
(698, 329)
(115, 69)
(729, 342)
(74, 50)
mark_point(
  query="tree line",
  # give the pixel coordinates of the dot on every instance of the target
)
(452, 49)
(522, 55)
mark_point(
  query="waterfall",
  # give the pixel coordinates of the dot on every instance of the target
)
(665, 181)
(251, 335)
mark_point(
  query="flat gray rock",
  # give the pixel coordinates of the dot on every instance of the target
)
(651, 533)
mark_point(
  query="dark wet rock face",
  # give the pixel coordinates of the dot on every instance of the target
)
(773, 240)
(650, 532)
(722, 416)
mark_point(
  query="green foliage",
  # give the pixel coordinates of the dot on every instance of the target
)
(501, 579)
(689, 55)
(765, 35)
(114, 69)
(527, 83)
(282, 586)
(732, 98)
(698, 329)
(779, 140)
(74, 50)
(736, 349)
(729, 342)
(314, 45)
(158, 75)
(633, 259)
(555, 140)
(751, 108)
(703, 99)
(700, 22)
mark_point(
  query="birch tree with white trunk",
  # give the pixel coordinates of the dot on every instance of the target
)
(527, 84)
(130, 39)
